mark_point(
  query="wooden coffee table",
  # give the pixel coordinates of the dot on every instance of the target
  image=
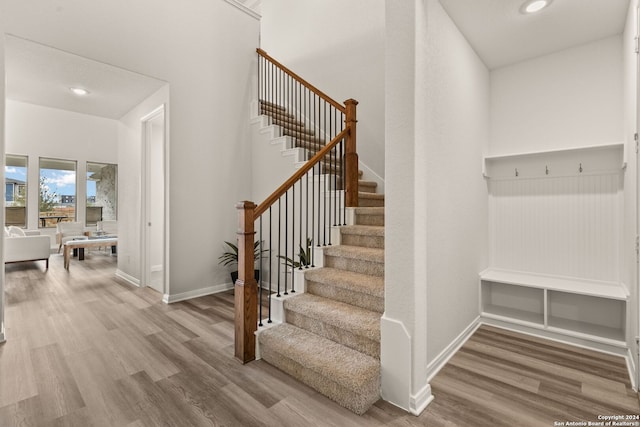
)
(86, 243)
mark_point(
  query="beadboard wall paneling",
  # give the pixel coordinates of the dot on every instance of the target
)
(566, 226)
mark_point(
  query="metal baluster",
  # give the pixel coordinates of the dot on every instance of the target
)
(331, 165)
(279, 234)
(300, 233)
(286, 232)
(270, 264)
(293, 236)
(335, 181)
(260, 277)
(344, 180)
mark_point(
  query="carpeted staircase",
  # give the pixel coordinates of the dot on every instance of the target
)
(331, 337)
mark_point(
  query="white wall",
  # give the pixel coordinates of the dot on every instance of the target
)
(338, 47)
(437, 130)
(206, 51)
(456, 97)
(36, 131)
(630, 109)
(567, 99)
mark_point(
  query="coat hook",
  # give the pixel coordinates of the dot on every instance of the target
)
(580, 169)
(517, 172)
(546, 170)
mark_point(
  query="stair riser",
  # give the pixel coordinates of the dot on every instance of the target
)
(356, 265)
(357, 299)
(292, 128)
(369, 188)
(362, 240)
(341, 336)
(279, 118)
(357, 402)
(370, 219)
(370, 203)
(307, 138)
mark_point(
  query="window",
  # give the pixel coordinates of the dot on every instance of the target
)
(15, 181)
(102, 186)
(57, 191)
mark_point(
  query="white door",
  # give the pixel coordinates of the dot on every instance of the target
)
(153, 192)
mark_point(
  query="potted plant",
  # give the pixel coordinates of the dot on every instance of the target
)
(304, 257)
(230, 257)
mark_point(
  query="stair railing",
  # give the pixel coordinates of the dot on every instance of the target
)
(325, 185)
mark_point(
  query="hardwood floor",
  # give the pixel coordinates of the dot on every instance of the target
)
(84, 348)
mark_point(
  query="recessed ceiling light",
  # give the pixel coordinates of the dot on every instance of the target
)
(533, 6)
(79, 91)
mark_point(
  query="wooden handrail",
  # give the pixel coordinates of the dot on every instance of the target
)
(262, 207)
(311, 87)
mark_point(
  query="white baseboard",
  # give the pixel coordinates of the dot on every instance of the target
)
(168, 299)
(632, 368)
(128, 278)
(441, 359)
(419, 401)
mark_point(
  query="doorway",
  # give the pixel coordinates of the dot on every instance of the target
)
(153, 227)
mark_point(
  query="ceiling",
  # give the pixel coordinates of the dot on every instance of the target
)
(39, 74)
(501, 35)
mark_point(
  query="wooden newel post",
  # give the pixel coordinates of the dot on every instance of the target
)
(351, 156)
(246, 287)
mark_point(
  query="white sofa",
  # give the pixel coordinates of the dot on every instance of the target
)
(30, 247)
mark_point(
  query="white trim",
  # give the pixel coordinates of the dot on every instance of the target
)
(449, 351)
(146, 268)
(555, 337)
(168, 299)
(631, 368)
(395, 363)
(252, 13)
(128, 278)
(419, 401)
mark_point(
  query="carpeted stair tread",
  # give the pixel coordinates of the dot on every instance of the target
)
(373, 210)
(368, 236)
(346, 376)
(370, 199)
(360, 259)
(363, 230)
(361, 290)
(351, 326)
(367, 186)
(356, 252)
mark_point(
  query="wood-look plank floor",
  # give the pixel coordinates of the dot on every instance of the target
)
(86, 349)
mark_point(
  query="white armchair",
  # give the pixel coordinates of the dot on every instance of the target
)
(27, 247)
(66, 231)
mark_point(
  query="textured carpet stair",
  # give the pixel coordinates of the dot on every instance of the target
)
(346, 376)
(367, 186)
(354, 258)
(370, 199)
(369, 216)
(352, 326)
(361, 290)
(292, 128)
(368, 236)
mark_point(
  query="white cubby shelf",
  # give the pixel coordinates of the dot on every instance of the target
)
(585, 309)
